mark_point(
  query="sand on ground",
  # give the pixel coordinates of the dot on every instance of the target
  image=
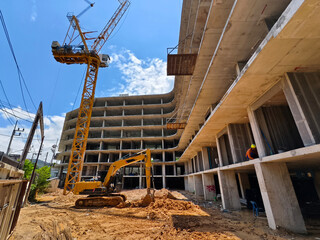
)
(173, 215)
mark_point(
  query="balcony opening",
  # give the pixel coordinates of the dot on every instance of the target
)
(131, 133)
(151, 111)
(112, 134)
(112, 123)
(157, 169)
(132, 122)
(131, 183)
(169, 157)
(115, 102)
(152, 144)
(175, 183)
(156, 157)
(111, 146)
(91, 158)
(169, 170)
(277, 126)
(152, 122)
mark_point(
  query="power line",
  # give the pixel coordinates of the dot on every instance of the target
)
(4, 110)
(20, 75)
(15, 112)
(7, 116)
(5, 94)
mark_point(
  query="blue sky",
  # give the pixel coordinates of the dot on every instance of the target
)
(137, 47)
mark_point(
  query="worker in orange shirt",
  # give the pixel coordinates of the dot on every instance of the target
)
(252, 152)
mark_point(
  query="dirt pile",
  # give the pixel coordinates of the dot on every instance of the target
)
(164, 194)
(170, 204)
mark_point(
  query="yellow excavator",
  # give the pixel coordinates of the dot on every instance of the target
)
(105, 194)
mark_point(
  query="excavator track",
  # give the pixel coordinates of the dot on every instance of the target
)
(100, 201)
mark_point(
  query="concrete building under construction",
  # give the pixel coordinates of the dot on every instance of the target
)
(247, 72)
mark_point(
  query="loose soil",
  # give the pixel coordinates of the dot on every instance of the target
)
(173, 215)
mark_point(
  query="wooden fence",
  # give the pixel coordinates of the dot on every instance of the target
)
(11, 196)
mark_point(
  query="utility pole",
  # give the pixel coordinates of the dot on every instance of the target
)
(13, 134)
(53, 149)
(46, 157)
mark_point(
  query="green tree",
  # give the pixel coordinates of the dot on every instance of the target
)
(42, 179)
(41, 182)
(27, 168)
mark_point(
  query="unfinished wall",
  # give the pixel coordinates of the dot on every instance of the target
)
(303, 90)
(278, 129)
(240, 140)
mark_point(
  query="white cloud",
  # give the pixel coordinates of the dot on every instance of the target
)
(52, 131)
(141, 76)
(34, 14)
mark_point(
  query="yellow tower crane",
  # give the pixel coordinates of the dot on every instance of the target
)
(72, 53)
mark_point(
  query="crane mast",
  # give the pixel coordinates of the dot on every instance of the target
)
(72, 52)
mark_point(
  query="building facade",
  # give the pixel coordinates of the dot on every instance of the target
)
(256, 80)
(125, 125)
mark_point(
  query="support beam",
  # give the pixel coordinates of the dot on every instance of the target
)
(186, 184)
(198, 185)
(208, 180)
(258, 139)
(140, 176)
(191, 184)
(229, 190)
(302, 94)
(163, 176)
(279, 199)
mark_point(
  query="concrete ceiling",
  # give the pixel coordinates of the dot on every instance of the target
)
(233, 30)
(292, 44)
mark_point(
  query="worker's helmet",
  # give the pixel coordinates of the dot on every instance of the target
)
(253, 146)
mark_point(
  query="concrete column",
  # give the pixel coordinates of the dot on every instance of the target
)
(244, 183)
(186, 182)
(229, 190)
(191, 184)
(256, 133)
(197, 162)
(140, 177)
(208, 180)
(219, 152)
(205, 158)
(186, 168)
(174, 169)
(317, 182)
(98, 167)
(279, 198)
(163, 176)
(198, 185)
(193, 161)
